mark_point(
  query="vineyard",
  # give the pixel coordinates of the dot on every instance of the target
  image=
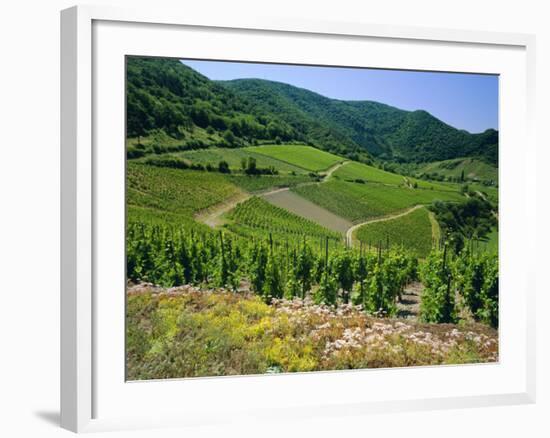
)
(359, 201)
(360, 172)
(256, 217)
(271, 229)
(235, 156)
(322, 270)
(256, 184)
(174, 190)
(305, 157)
(413, 231)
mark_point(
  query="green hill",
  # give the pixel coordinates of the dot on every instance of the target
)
(380, 129)
(171, 107)
(471, 169)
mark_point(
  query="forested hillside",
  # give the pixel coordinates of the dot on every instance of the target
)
(382, 130)
(169, 101)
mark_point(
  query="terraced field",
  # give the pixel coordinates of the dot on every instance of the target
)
(255, 183)
(356, 202)
(306, 157)
(173, 193)
(472, 168)
(412, 231)
(358, 171)
(257, 217)
(234, 158)
(305, 208)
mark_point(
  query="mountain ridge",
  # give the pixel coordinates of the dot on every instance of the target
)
(164, 94)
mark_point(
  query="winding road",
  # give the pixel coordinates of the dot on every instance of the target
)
(213, 216)
(351, 230)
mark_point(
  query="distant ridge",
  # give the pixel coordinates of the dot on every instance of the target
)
(164, 94)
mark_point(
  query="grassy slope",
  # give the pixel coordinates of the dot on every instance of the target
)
(490, 192)
(258, 217)
(357, 202)
(354, 170)
(413, 231)
(254, 184)
(172, 194)
(234, 158)
(306, 157)
(472, 167)
(492, 243)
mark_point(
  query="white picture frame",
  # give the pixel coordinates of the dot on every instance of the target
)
(91, 390)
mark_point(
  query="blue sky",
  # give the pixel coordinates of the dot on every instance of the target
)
(465, 101)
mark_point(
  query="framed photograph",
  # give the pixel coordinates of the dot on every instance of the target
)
(277, 218)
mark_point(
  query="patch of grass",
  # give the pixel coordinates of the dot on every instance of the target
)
(234, 158)
(412, 231)
(158, 142)
(359, 171)
(258, 217)
(473, 169)
(258, 183)
(357, 202)
(489, 192)
(170, 192)
(355, 171)
(492, 241)
(306, 157)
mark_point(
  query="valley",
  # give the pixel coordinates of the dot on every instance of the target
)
(267, 225)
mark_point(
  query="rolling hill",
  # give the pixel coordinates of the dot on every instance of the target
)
(165, 97)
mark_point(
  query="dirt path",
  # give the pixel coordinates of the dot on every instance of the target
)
(351, 230)
(331, 170)
(436, 229)
(409, 307)
(213, 215)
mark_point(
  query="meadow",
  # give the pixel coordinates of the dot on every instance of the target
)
(306, 157)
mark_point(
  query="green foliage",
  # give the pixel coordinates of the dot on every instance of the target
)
(164, 94)
(326, 293)
(470, 220)
(363, 201)
(460, 169)
(175, 191)
(305, 157)
(235, 157)
(257, 217)
(273, 285)
(477, 281)
(438, 298)
(223, 167)
(344, 275)
(349, 127)
(412, 231)
(262, 183)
